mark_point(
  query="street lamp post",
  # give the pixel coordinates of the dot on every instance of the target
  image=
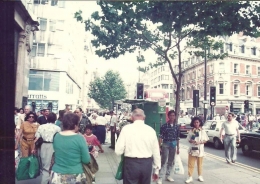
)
(205, 83)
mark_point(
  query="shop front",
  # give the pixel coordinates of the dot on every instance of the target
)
(39, 101)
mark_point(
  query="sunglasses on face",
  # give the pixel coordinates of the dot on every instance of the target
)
(31, 116)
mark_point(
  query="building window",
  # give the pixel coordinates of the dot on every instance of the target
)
(54, 2)
(33, 51)
(258, 91)
(43, 24)
(52, 26)
(221, 88)
(61, 4)
(248, 69)
(162, 77)
(229, 46)
(69, 87)
(236, 92)
(242, 48)
(165, 86)
(248, 90)
(258, 71)
(41, 49)
(166, 77)
(235, 68)
(44, 81)
(171, 95)
(253, 51)
(171, 86)
(221, 68)
(40, 1)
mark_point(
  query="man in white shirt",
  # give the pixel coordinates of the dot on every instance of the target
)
(113, 122)
(231, 128)
(27, 109)
(141, 151)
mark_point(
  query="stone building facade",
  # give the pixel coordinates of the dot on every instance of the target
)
(25, 26)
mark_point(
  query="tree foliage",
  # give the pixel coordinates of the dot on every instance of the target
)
(168, 28)
(105, 90)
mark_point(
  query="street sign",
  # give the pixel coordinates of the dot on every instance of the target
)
(205, 101)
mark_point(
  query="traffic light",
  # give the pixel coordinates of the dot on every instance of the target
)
(246, 102)
(140, 91)
(212, 97)
(231, 106)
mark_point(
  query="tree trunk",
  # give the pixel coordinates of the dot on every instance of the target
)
(177, 104)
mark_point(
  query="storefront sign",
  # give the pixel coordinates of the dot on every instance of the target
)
(37, 96)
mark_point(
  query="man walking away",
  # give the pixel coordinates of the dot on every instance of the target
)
(169, 139)
(231, 128)
(138, 143)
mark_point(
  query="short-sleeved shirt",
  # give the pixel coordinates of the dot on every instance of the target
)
(230, 127)
(169, 132)
(29, 129)
(47, 131)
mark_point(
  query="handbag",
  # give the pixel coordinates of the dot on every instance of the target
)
(119, 172)
(194, 151)
(22, 172)
(39, 142)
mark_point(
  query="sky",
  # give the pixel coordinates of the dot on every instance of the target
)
(126, 65)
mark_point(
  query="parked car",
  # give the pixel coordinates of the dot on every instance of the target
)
(184, 125)
(250, 141)
(212, 127)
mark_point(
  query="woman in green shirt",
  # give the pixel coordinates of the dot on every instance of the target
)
(71, 151)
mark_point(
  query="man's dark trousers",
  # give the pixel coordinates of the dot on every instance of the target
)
(113, 132)
(137, 170)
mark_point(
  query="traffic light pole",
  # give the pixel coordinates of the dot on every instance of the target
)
(205, 84)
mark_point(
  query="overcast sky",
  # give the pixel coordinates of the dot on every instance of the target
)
(126, 65)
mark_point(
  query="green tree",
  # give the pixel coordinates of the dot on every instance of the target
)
(168, 28)
(105, 90)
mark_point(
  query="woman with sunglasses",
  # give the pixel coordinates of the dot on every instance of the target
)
(26, 134)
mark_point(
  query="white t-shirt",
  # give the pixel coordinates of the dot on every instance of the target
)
(230, 127)
(101, 120)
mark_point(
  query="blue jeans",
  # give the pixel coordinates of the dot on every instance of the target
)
(168, 152)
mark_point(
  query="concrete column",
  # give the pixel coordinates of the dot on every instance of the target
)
(20, 69)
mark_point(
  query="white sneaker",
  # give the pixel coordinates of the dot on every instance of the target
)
(159, 181)
(201, 179)
(169, 179)
(189, 180)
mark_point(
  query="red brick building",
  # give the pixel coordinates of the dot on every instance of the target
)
(236, 77)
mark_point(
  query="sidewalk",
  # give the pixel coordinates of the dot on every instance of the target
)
(215, 171)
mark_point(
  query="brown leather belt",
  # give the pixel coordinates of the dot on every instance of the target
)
(29, 139)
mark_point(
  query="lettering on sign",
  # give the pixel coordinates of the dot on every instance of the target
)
(37, 96)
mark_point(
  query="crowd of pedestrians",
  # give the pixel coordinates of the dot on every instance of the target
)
(66, 142)
(74, 139)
